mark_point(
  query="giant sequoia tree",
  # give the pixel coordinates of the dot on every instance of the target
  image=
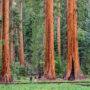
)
(5, 74)
(73, 66)
(49, 72)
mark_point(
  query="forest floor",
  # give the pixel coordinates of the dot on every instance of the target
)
(23, 79)
(46, 86)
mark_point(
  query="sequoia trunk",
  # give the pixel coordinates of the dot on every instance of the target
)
(58, 30)
(49, 72)
(5, 74)
(73, 66)
(22, 62)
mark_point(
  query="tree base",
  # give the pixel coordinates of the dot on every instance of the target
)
(47, 77)
(79, 76)
(5, 79)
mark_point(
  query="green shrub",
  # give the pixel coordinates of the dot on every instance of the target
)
(60, 66)
(17, 71)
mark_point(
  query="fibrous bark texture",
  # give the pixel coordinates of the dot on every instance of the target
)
(49, 72)
(22, 62)
(73, 66)
(5, 73)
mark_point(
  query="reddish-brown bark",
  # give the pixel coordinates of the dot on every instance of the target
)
(22, 61)
(58, 36)
(49, 72)
(5, 73)
(58, 30)
(73, 66)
